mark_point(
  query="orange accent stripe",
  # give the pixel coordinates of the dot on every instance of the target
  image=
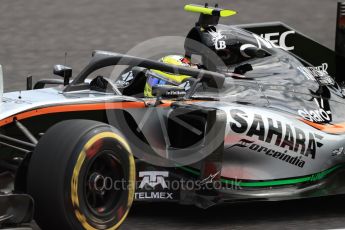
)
(79, 107)
(333, 129)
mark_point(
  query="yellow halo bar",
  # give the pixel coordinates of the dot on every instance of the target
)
(209, 10)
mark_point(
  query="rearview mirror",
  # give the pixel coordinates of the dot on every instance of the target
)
(63, 71)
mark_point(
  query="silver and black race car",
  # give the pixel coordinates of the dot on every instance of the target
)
(262, 119)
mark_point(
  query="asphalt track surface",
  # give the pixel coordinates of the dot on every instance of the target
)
(35, 34)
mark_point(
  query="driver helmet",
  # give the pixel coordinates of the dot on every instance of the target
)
(157, 77)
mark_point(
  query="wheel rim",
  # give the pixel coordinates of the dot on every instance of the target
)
(101, 195)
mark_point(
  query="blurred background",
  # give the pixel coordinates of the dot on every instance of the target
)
(35, 34)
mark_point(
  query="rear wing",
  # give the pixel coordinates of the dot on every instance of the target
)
(306, 49)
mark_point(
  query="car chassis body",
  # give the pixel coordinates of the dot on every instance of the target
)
(273, 133)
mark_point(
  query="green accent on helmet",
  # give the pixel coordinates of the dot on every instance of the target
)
(172, 60)
(148, 91)
(209, 10)
(172, 78)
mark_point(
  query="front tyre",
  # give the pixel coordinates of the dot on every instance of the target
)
(81, 176)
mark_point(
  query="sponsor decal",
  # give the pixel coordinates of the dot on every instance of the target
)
(283, 156)
(175, 93)
(209, 179)
(154, 195)
(128, 76)
(274, 40)
(278, 133)
(125, 79)
(338, 152)
(186, 85)
(152, 180)
(218, 39)
(269, 40)
(318, 73)
(316, 116)
(320, 115)
(17, 101)
(312, 72)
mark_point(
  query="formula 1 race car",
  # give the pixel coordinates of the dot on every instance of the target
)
(262, 119)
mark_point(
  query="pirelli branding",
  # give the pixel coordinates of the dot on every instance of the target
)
(275, 132)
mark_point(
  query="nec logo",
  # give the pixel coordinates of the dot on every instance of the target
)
(153, 178)
(274, 40)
